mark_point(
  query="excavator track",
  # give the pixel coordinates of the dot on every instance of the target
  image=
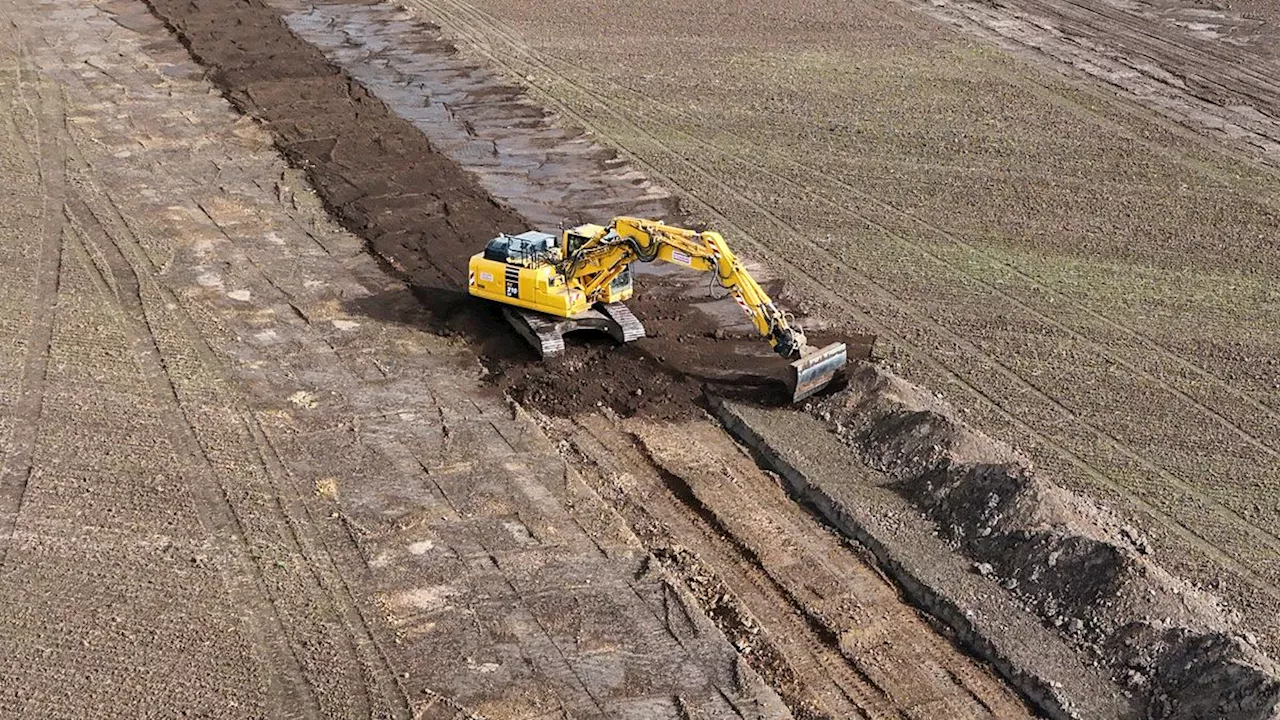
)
(546, 332)
(628, 325)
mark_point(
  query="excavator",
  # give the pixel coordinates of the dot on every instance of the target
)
(551, 286)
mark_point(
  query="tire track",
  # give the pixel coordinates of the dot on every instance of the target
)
(201, 463)
(801, 586)
(821, 578)
(329, 609)
(482, 41)
(125, 270)
(806, 657)
(1240, 73)
(46, 114)
(330, 579)
(493, 28)
(281, 669)
(1168, 92)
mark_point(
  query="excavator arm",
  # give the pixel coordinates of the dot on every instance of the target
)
(626, 240)
(600, 259)
(548, 290)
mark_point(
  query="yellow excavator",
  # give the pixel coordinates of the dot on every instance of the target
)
(550, 286)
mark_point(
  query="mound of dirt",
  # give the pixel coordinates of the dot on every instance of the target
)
(424, 216)
(663, 376)
(1079, 567)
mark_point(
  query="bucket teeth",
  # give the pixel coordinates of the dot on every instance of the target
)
(816, 370)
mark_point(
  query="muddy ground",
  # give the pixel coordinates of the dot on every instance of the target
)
(1082, 262)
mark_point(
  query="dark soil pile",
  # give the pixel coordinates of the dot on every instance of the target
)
(1079, 567)
(425, 216)
(377, 174)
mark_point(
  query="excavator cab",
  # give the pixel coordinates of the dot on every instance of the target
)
(619, 288)
(576, 237)
(528, 248)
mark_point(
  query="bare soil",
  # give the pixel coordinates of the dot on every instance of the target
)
(802, 604)
(594, 376)
(1075, 251)
(362, 56)
(1075, 565)
(422, 213)
(361, 520)
(249, 473)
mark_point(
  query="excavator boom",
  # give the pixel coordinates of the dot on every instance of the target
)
(580, 282)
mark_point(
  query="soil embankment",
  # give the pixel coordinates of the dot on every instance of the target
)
(1078, 275)
(1073, 564)
(425, 216)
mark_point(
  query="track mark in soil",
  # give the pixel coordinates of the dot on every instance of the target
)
(550, 175)
(836, 201)
(1194, 80)
(165, 343)
(804, 609)
(425, 217)
(709, 591)
(46, 117)
(139, 320)
(480, 30)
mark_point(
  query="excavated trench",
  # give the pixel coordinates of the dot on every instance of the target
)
(424, 215)
(1070, 565)
(351, 93)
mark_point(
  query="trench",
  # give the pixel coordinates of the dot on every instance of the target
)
(417, 179)
(1033, 685)
(414, 169)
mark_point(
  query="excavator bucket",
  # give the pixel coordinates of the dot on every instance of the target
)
(815, 371)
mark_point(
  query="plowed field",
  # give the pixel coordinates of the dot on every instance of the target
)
(1079, 251)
